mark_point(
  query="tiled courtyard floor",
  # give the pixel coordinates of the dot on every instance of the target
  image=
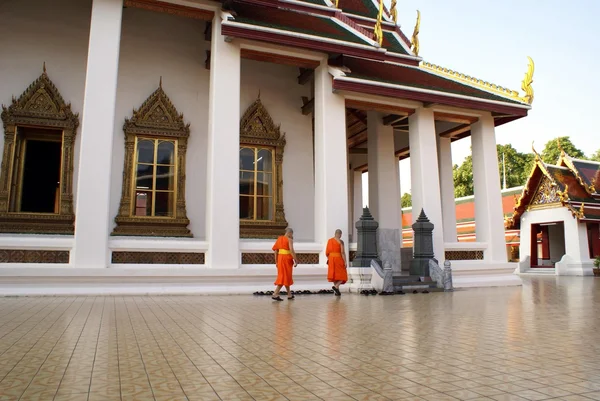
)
(536, 342)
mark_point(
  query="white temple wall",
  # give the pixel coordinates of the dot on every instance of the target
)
(281, 95)
(25, 44)
(155, 45)
(556, 237)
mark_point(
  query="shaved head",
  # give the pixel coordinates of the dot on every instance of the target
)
(289, 230)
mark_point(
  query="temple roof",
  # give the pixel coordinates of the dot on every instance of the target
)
(348, 30)
(398, 74)
(561, 185)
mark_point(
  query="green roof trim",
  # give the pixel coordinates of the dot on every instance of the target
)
(395, 45)
(343, 34)
(479, 93)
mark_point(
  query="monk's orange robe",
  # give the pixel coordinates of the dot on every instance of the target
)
(335, 262)
(285, 261)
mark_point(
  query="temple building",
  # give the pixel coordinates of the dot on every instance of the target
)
(162, 145)
(558, 214)
(466, 225)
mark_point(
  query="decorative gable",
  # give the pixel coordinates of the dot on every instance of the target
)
(40, 104)
(157, 116)
(257, 124)
(546, 194)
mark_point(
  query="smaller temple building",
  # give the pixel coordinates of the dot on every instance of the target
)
(465, 225)
(558, 214)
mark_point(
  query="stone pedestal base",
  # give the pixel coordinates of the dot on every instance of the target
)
(419, 267)
(359, 278)
(389, 245)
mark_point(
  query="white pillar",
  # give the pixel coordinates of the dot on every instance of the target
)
(331, 164)
(424, 175)
(92, 212)
(447, 188)
(489, 219)
(358, 201)
(222, 208)
(384, 181)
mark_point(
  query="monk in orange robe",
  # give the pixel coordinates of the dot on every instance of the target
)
(285, 260)
(336, 262)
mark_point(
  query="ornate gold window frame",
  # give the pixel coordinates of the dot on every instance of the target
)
(156, 118)
(39, 106)
(258, 130)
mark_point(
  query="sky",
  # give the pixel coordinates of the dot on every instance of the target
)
(491, 41)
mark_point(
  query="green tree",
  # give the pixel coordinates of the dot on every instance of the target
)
(463, 178)
(551, 152)
(596, 156)
(518, 167)
(406, 200)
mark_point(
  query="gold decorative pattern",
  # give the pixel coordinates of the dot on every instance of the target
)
(414, 41)
(33, 256)
(269, 258)
(40, 106)
(463, 255)
(158, 258)
(351, 255)
(378, 31)
(547, 193)
(158, 118)
(487, 86)
(257, 129)
(527, 81)
(394, 12)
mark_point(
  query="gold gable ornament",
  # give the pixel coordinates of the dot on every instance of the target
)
(156, 118)
(258, 129)
(42, 106)
(414, 41)
(378, 31)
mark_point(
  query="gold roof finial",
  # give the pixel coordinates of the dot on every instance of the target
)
(378, 31)
(527, 81)
(337, 3)
(562, 151)
(160, 82)
(44, 67)
(394, 12)
(414, 42)
(537, 156)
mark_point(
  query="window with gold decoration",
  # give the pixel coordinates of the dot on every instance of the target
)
(153, 195)
(261, 182)
(256, 183)
(155, 188)
(36, 173)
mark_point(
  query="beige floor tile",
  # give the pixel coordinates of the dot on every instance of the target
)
(237, 348)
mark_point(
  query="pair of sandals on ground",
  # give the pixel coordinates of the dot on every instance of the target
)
(336, 291)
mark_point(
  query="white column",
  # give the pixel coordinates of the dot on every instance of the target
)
(222, 208)
(92, 212)
(447, 188)
(358, 201)
(424, 175)
(489, 219)
(331, 164)
(384, 181)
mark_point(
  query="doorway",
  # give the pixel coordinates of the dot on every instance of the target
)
(547, 244)
(37, 171)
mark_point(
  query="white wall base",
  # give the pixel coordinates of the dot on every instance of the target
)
(467, 274)
(139, 279)
(570, 267)
(359, 279)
